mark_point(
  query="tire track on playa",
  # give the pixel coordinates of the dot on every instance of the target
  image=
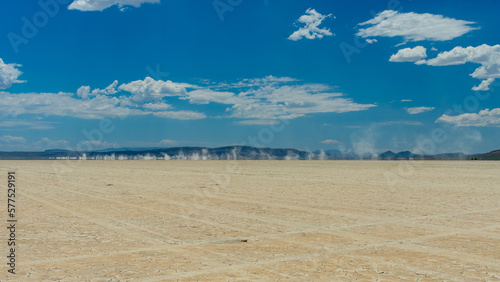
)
(343, 234)
(294, 205)
(416, 248)
(176, 244)
(178, 191)
(456, 254)
(110, 223)
(295, 225)
(151, 209)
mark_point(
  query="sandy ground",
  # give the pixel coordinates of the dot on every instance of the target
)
(254, 220)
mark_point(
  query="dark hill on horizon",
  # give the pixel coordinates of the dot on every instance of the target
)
(231, 153)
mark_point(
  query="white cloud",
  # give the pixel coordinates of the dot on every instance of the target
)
(205, 96)
(485, 117)
(12, 139)
(26, 124)
(371, 40)
(414, 27)
(61, 104)
(311, 21)
(182, 115)
(292, 101)
(98, 107)
(84, 91)
(409, 54)
(258, 122)
(419, 110)
(331, 141)
(157, 106)
(9, 74)
(484, 85)
(257, 101)
(487, 56)
(99, 5)
(406, 100)
(46, 143)
(153, 90)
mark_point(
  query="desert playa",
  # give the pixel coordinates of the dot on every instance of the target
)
(255, 220)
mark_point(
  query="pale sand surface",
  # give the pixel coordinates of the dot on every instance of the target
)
(303, 220)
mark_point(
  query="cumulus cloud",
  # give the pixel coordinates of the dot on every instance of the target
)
(419, 110)
(484, 85)
(409, 54)
(255, 101)
(98, 107)
(310, 30)
(61, 104)
(415, 27)
(487, 56)
(8, 139)
(406, 100)
(153, 90)
(99, 5)
(84, 91)
(9, 74)
(484, 118)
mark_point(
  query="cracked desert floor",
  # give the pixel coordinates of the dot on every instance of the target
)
(254, 220)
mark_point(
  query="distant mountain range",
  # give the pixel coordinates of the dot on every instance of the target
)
(230, 153)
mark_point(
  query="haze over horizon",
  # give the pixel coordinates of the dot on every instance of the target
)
(362, 77)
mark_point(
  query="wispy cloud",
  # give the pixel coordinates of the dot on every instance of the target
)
(24, 124)
(389, 123)
(12, 139)
(311, 21)
(415, 27)
(487, 117)
(330, 141)
(47, 143)
(419, 110)
(99, 5)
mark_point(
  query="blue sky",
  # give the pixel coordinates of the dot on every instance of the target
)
(357, 76)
